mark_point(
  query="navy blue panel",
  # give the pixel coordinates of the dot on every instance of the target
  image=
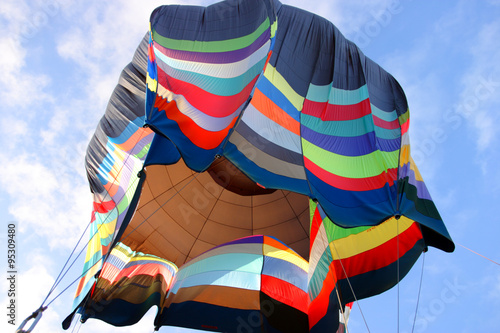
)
(118, 312)
(220, 21)
(352, 209)
(209, 317)
(162, 152)
(381, 279)
(196, 158)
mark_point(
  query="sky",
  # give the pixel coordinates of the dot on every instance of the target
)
(60, 61)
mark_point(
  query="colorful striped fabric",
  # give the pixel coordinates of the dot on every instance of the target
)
(253, 284)
(203, 65)
(284, 97)
(114, 158)
(363, 258)
(316, 116)
(129, 284)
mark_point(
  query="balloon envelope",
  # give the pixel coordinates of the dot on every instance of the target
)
(253, 108)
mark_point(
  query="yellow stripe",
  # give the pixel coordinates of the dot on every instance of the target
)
(151, 83)
(271, 251)
(279, 82)
(126, 256)
(413, 166)
(93, 247)
(107, 229)
(90, 275)
(371, 238)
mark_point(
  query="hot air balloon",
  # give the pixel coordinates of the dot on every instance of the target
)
(252, 172)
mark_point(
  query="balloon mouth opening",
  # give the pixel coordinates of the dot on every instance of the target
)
(228, 176)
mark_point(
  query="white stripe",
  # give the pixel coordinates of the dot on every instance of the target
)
(209, 123)
(223, 71)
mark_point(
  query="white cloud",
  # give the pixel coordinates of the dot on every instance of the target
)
(481, 86)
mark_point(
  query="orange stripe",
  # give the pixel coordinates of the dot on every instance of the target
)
(269, 109)
(134, 139)
(274, 243)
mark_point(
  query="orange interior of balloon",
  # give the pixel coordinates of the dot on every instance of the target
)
(182, 214)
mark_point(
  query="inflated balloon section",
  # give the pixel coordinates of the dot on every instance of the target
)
(252, 173)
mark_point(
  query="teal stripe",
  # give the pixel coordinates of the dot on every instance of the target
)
(336, 96)
(213, 85)
(384, 115)
(320, 273)
(348, 128)
(232, 279)
(238, 262)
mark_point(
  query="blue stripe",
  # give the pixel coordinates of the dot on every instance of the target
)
(350, 146)
(274, 94)
(286, 271)
(238, 262)
(262, 176)
(231, 279)
(131, 128)
(354, 209)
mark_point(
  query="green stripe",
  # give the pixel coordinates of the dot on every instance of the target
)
(364, 166)
(129, 193)
(211, 46)
(404, 117)
(143, 152)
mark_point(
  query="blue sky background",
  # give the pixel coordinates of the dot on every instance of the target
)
(61, 60)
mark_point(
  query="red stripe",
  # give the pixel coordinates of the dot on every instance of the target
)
(113, 274)
(318, 307)
(285, 292)
(210, 104)
(405, 126)
(197, 135)
(334, 112)
(104, 206)
(315, 225)
(380, 256)
(352, 184)
(385, 124)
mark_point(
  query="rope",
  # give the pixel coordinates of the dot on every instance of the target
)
(350, 286)
(341, 309)
(419, 291)
(157, 209)
(397, 268)
(61, 275)
(493, 261)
